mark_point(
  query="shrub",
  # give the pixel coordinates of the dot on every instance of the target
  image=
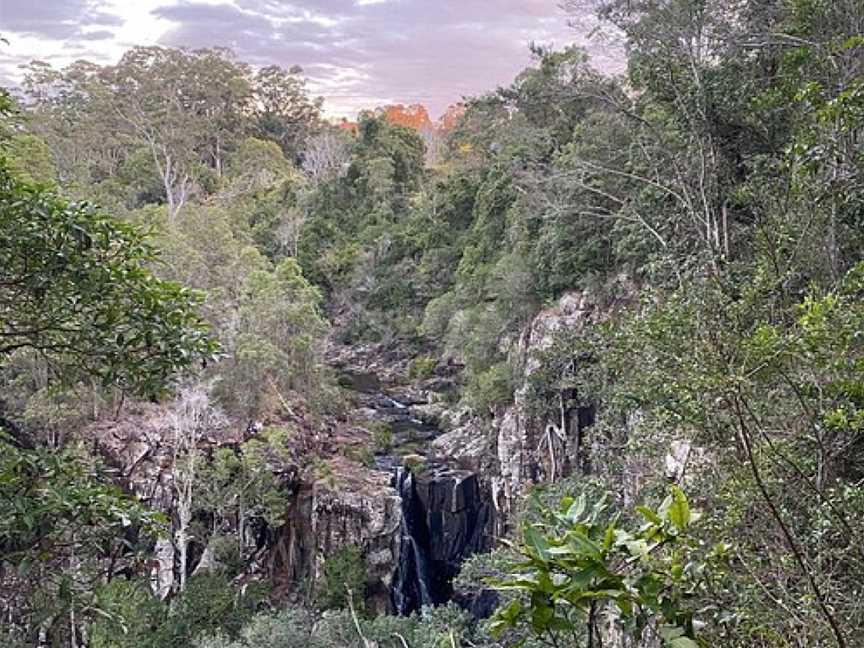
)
(363, 456)
(414, 462)
(422, 367)
(289, 628)
(382, 437)
(226, 552)
(344, 571)
(129, 616)
(208, 605)
(490, 388)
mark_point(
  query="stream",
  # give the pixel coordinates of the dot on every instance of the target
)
(446, 514)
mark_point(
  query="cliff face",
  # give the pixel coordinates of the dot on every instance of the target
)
(445, 519)
(322, 519)
(353, 505)
(421, 506)
(514, 449)
(413, 526)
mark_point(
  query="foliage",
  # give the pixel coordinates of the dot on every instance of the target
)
(422, 367)
(76, 293)
(343, 577)
(55, 503)
(29, 159)
(277, 338)
(782, 390)
(491, 388)
(714, 189)
(266, 315)
(131, 616)
(575, 563)
(208, 604)
(238, 487)
(442, 627)
(174, 115)
(284, 629)
(382, 436)
(76, 289)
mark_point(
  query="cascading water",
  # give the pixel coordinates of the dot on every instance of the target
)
(445, 511)
(445, 519)
(411, 589)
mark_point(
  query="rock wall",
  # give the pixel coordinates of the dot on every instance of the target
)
(353, 506)
(322, 519)
(510, 448)
(513, 449)
(446, 517)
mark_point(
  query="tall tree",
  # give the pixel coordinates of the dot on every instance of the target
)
(283, 110)
(75, 289)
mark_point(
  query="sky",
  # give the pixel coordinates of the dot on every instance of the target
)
(356, 53)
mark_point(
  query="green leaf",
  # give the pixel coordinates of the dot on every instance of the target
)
(535, 540)
(577, 509)
(585, 546)
(649, 515)
(683, 642)
(679, 510)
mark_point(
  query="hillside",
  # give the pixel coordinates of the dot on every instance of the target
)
(579, 364)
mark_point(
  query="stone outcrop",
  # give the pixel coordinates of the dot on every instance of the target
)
(446, 517)
(351, 505)
(337, 501)
(362, 511)
(511, 447)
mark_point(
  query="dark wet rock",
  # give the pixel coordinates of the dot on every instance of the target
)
(480, 605)
(363, 382)
(445, 519)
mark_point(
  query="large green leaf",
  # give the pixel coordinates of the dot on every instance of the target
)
(679, 510)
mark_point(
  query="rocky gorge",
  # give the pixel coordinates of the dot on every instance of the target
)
(443, 482)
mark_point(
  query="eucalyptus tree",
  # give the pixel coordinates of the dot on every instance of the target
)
(182, 113)
(76, 291)
(282, 109)
(160, 97)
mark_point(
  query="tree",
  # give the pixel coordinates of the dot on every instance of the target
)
(191, 417)
(71, 110)
(157, 96)
(75, 288)
(239, 487)
(187, 110)
(29, 158)
(779, 389)
(55, 503)
(283, 112)
(276, 349)
(326, 155)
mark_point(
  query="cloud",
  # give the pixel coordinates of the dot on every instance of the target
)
(384, 50)
(55, 19)
(356, 53)
(99, 34)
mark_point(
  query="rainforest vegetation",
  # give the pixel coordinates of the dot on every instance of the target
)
(185, 236)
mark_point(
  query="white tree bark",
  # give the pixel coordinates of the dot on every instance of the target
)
(327, 155)
(190, 417)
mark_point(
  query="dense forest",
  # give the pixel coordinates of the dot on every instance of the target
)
(583, 368)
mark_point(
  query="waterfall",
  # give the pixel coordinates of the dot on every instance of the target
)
(411, 589)
(445, 519)
(445, 510)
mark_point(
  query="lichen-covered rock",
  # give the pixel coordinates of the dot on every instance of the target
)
(367, 519)
(509, 449)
